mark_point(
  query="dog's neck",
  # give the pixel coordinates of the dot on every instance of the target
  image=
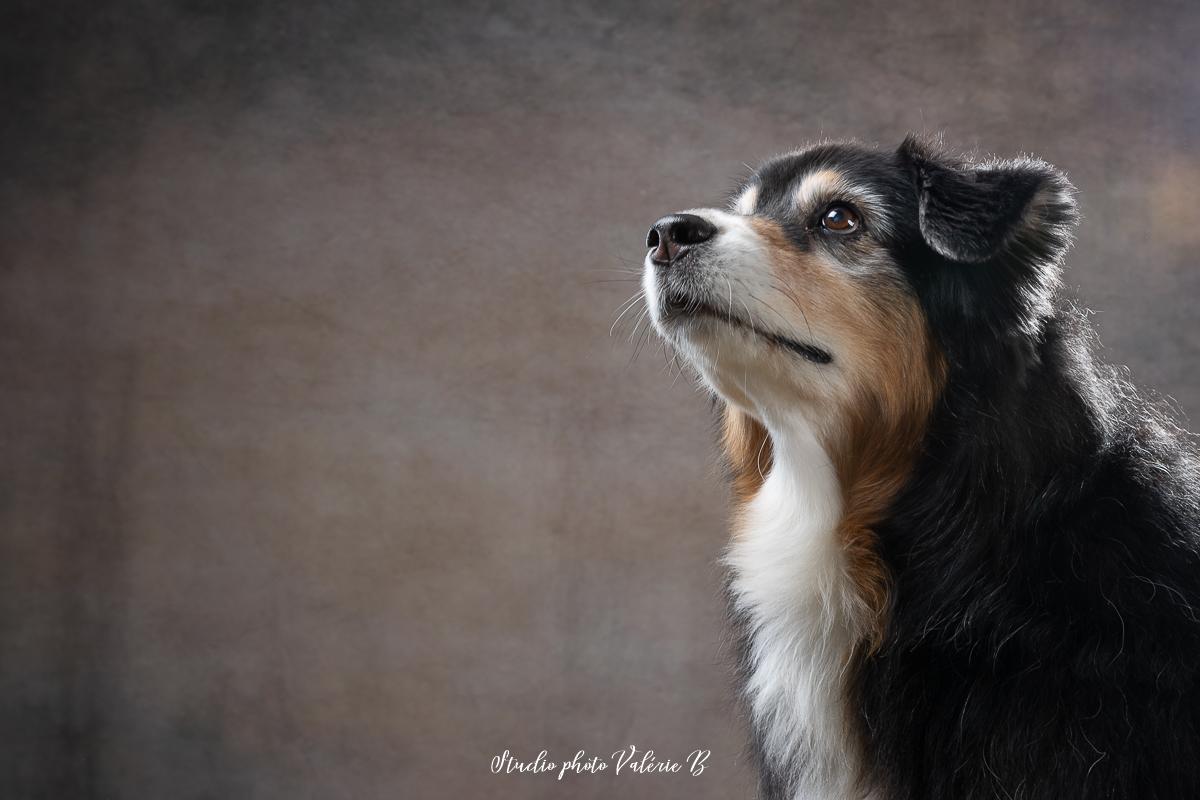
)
(802, 616)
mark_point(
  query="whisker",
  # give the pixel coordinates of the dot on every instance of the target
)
(795, 301)
(768, 306)
(637, 324)
(624, 270)
(611, 280)
(624, 307)
(644, 338)
(678, 374)
(749, 314)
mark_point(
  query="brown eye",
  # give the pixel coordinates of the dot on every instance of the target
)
(840, 219)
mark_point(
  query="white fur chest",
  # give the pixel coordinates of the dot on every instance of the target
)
(789, 581)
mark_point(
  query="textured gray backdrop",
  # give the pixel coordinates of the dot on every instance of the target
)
(320, 474)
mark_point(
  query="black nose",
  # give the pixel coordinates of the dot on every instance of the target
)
(674, 234)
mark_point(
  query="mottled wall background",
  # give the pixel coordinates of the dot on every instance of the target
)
(320, 474)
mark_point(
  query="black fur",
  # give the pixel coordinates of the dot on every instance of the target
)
(1044, 640)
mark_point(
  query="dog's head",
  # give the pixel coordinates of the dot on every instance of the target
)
(841, 280)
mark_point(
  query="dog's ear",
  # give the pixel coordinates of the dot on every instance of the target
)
(1001, 226)
(972, 213)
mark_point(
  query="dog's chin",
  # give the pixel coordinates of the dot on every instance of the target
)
(703, 332)
(713, 342)
(681, 316)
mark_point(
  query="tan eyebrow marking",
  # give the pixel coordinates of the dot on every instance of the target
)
(817, 185)
(826, 185)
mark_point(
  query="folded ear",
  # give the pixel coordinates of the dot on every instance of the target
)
(973, 212)
(1002, 227)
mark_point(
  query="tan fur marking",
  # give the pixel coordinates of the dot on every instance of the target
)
(894, 374)
(818, 183)
(747, 451)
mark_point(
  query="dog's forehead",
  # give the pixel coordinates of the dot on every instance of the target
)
(806, 174)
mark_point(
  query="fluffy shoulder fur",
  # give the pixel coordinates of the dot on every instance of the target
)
(1044, 640)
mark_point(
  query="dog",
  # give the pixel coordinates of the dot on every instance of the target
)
(965, 559)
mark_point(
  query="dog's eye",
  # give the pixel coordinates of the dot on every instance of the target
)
(839, 219)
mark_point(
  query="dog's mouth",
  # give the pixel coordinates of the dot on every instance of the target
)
(678, 307)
